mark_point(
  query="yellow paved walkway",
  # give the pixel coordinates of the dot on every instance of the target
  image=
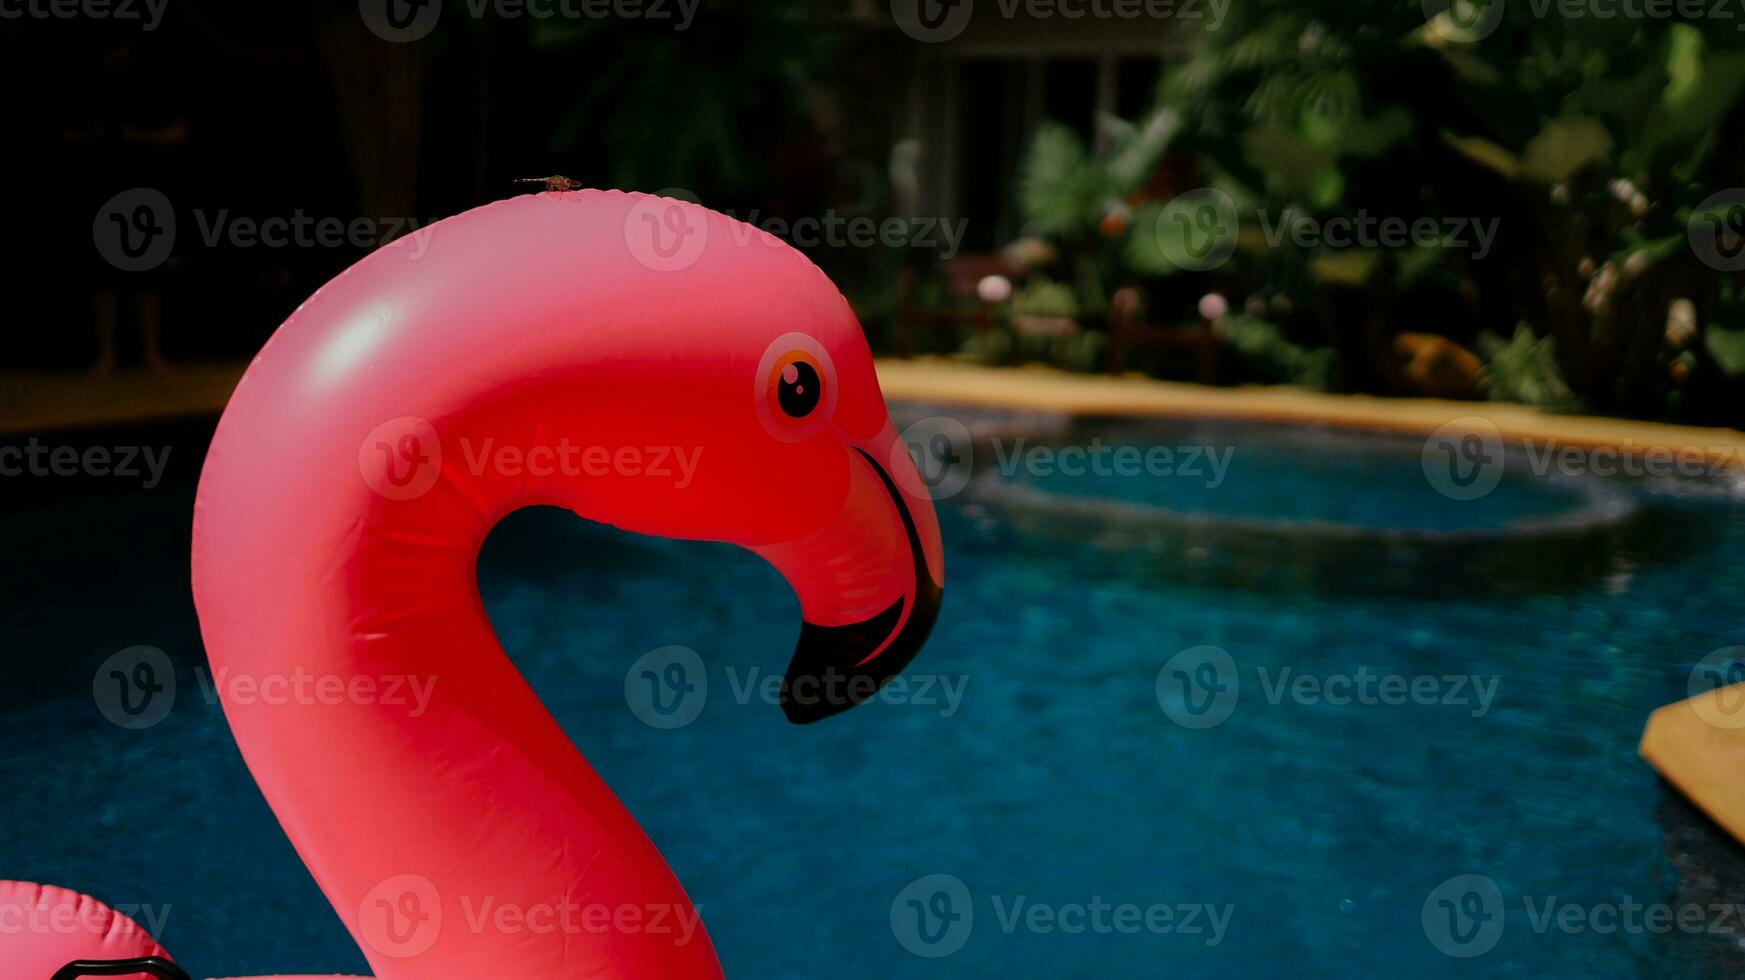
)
(1699, 746)
(44, 401)
(1048, 389)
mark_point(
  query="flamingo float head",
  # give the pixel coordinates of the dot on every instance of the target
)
(724, 350)
(640, 361)
(742, 395)
(647, 363)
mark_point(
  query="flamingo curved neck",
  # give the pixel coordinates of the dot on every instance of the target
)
(407, 759)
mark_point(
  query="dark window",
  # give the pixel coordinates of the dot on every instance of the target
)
(982, 132)
(1135, 85)
(1070, 94)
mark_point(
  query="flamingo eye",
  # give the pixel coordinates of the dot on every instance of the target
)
(799, 389)
(796, 387)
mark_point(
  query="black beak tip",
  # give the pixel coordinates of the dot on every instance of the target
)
(806, 714)
(826, 677)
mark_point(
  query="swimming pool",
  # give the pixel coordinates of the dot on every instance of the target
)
(1051, 804)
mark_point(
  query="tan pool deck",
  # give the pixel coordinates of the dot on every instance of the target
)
(36, 402)
(1049, 389)
(1698, 745)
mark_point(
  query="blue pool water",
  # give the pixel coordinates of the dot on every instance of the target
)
(1271, 475)
(1059, 779)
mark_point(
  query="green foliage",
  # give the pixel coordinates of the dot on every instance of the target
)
(1043, 297)
(1068, 193)
(1077, 349)
(1589, 140)
(1292, 109)
(1081, 350)
(1266, 348)
(1065, 190)
(1564, 146)
(1146, 251)
(1524, 369)
(1727, 347)
(1058, 185)
(991, 347)
(1135, 149)
(1703, 87)
(1586, 144)
(1160, 237)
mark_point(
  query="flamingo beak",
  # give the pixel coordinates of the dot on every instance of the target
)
(869, 584)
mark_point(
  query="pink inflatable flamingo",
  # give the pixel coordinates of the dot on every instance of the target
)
(574, 349)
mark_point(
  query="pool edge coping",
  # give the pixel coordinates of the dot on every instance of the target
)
(1051, 390)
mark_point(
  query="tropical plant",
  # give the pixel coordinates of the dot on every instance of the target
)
(1084, 200)
(1274, 358)
(1524, 369)
(1596, 146)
